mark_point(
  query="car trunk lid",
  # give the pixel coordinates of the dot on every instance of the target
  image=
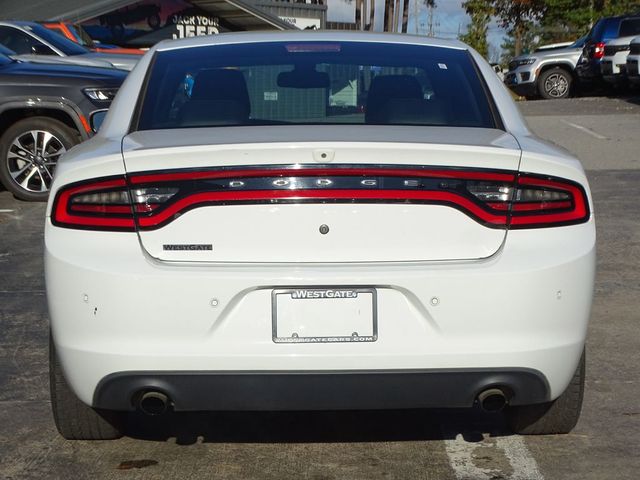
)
(321, 194)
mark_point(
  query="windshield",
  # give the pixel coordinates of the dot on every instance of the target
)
(282, 83)
(60, 42)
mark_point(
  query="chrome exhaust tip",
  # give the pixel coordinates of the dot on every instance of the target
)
(153, 403)
(492, 400)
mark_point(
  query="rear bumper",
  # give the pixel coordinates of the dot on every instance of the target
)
(113, 310)
(200, 391)
(615, 79)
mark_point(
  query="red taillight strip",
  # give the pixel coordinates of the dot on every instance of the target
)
(138, 179)
(530, 206)
(227, 197)
(118, 209)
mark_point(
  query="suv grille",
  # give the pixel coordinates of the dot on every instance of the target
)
(610, 50)
(513, 65)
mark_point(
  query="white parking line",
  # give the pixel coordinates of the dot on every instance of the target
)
(524, 465)
(586, 130)
(5, 211)
(469, 459)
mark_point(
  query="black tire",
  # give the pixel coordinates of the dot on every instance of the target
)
(555, 83)
(558, 416)
(74, 419)
(63, 137)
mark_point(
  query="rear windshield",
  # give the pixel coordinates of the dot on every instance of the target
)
(281, 83)
(630, 27)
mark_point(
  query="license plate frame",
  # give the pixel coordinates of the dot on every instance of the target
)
(321, 293)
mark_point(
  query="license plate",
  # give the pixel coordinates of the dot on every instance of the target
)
(324, 315)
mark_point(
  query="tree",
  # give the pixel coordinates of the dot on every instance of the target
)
(480, 12)
(528, 42)
(518, 16)
(565, 20)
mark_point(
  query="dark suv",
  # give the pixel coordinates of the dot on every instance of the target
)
(45, 109)
(605, 29)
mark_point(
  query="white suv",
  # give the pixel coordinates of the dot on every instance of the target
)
(614, 63)
(633, 60)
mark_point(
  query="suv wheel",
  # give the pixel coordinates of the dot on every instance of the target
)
(75, 420)
(29, 152)
(555, 83)
(558, 416)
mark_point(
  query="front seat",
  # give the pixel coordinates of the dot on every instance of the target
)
(219, 97)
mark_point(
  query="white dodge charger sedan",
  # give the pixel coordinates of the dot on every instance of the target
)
(317, 221)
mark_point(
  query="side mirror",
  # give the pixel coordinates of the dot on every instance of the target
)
(41, 49)
(97, 118)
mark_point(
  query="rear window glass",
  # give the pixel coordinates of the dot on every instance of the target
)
(281, 83)
(630, 27)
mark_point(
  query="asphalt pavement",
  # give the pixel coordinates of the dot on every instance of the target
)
(432, 444)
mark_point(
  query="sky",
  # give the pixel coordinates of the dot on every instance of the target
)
(449, 18)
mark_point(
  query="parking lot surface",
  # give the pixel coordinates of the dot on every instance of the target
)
(442, 444)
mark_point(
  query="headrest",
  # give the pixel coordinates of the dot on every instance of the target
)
(221, 84)
(390, 87)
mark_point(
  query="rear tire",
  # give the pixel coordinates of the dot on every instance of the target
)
(558, 416)
(555, 83)
(74, 419)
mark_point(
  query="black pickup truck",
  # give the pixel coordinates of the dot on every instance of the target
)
(45, 109)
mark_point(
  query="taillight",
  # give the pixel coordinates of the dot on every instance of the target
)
(598, 50)
(150, 200)
(105, 204)
(537, 201)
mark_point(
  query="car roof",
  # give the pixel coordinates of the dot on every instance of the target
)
(308, 35)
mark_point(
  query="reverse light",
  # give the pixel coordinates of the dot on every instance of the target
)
(148, 201)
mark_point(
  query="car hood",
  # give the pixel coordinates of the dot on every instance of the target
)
(56, 72)
(558, 53)
(56, 60)
(122, 61)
